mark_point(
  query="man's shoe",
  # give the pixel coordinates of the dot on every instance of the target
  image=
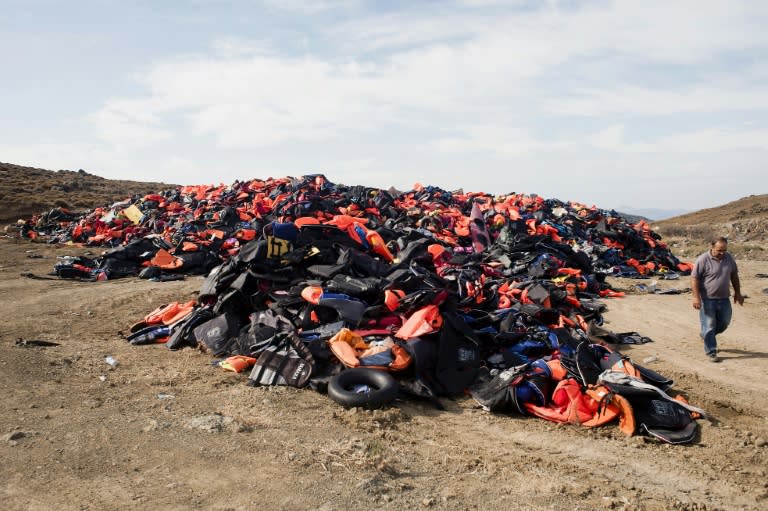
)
(713, 357)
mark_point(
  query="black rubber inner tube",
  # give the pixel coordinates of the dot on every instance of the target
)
(361, 387)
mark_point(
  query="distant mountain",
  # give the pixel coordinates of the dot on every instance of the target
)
(652, 213)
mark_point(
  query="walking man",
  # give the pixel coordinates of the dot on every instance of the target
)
(713, 273)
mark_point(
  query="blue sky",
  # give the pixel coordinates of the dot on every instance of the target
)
(619, 104)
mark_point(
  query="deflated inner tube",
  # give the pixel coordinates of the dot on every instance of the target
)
(378, 388)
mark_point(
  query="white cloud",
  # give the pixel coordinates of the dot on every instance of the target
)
(130, 123)
(47, 155)
(498, 140)
(503, 141)
(668, 31)
(421, 93)
(700, 141)
(310, 7)
(435, 71)
(713, 140)
(611, 137)
(647, 102)
(262, 100)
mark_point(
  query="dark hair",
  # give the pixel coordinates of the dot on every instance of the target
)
(720, 239)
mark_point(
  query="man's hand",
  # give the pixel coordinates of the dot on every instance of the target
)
(738, 298)
(697, 303)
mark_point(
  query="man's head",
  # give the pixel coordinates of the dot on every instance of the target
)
(718, 248)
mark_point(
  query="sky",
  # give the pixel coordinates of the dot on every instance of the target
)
(620, 104)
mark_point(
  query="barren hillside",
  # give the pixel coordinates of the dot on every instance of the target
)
(25, 191)
(743, 221)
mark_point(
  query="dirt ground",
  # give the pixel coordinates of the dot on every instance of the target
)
(167, 430)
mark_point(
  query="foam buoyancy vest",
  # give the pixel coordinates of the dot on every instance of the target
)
(569, 404)
(352, 351)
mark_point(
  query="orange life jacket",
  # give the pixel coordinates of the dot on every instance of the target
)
(594, 407)
(350, 347)
(424, 321)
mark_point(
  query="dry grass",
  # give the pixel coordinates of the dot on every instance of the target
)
(744, 222)
(25, 191)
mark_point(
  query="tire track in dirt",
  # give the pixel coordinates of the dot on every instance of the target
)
(115, 443)
(640, 469)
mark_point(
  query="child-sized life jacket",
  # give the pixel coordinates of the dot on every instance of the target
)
(378, 352)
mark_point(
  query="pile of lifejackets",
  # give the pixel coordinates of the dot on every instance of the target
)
(444, 293)
(591, 385)
(217, 220)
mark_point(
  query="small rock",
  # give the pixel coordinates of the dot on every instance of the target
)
(428, 502)
(369, 485)
(155, 425)
(92, 403)
(152, 426)
(648, 360)
(760, 442)
(211, 423)
(15, 435)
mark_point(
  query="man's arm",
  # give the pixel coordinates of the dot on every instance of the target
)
(737, 297)
(695, 292)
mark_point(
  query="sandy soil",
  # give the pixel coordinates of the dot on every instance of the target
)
(166, 430)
